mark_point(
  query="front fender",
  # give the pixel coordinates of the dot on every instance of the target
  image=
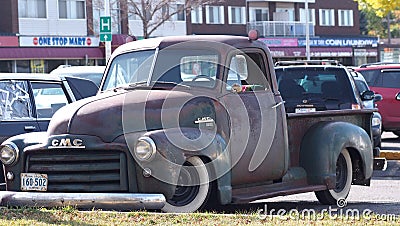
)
(21, 141)
(27, 139)
(322, 145)
(175, 145)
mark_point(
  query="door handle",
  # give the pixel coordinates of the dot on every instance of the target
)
(278, 104)
(29, 128)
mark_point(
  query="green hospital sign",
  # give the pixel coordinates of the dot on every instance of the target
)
(105, 29)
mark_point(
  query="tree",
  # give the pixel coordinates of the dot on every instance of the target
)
(381, 7)
(371, 24)
(363, 23)
(154, 13)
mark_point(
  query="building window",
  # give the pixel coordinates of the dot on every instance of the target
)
(326, 17)
(236, 15)
(311, 16)
(176, 12)
(284, 14)
(197, 15)
(258, 14)
(71, 9)
(345, 17)
(165, 11)
(32, 8)
(180, 16)
(215, 15)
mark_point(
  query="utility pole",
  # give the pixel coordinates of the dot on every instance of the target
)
(307, 33)
(107, 43)
(388, 29)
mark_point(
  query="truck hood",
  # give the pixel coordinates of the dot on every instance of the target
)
(113, 113)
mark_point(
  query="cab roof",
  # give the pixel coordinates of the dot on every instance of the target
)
(162, 42)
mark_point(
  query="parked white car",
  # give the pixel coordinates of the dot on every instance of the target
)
(362, 86)
(94, 73)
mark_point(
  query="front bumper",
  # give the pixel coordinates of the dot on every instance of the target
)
(115, 201)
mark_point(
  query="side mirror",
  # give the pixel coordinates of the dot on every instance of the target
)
(367, 95)
(398, 96)
(378, 97)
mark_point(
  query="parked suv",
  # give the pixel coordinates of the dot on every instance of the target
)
(384, 79)
(362, 86)
(308, 86)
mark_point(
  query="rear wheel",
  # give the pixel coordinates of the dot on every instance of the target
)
(344, 172)
(193, 188)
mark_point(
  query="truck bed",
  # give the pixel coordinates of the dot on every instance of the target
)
(299, 123)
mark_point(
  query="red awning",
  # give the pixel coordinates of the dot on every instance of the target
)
(50, 53)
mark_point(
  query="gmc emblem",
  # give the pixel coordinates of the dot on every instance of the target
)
(66, 143)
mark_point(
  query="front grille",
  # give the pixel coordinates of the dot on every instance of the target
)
(81, 170)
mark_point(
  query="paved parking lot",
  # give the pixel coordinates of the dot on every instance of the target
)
(382, 197)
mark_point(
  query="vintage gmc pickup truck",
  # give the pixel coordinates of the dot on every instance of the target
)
(181, 122)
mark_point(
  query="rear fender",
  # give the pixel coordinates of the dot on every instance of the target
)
(322, 145)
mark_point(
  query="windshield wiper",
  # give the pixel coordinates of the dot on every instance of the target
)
(170, 83)
(135, 84)
(143, 84)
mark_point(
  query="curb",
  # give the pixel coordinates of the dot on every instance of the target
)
(390, 155)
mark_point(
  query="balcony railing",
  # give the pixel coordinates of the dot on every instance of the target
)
(281, 28)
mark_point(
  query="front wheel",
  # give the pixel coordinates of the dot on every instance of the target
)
(192, 190)
(344, 173)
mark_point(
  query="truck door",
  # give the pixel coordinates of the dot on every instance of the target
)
(257, 143)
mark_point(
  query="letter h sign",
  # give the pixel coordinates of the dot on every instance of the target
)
(105, 24)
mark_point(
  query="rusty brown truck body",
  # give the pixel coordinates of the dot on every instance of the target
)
(178, 120)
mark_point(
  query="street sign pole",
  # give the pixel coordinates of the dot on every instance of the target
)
(308, 54)
(108, 43)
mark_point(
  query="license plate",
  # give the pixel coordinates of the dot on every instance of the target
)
(304, 110)
(33, 182)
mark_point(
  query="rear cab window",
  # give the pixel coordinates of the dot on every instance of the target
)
(315, 88)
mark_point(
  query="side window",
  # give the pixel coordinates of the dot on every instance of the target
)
(391, 79)
(49, 97)
(371, 76)
(14, 100)
(248, 71)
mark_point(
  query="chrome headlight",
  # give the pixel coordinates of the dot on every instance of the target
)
(8, 154)
(376, 121)
(145, 149)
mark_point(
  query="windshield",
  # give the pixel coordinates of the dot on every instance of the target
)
(129, 68)
(188, 67)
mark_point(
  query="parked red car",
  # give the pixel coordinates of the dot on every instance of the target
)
(384, 79)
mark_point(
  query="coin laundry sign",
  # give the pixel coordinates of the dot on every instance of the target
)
(57, 41)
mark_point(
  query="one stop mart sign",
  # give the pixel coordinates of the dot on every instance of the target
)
(105, 29)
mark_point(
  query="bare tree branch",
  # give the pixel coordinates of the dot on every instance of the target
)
(154, 13)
